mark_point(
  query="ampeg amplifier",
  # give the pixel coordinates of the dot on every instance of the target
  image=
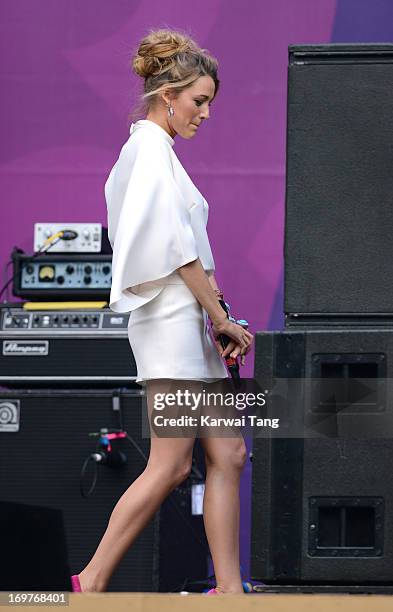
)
(52, 348)
(62, 276)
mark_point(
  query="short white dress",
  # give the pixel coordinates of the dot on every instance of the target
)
(157, 223)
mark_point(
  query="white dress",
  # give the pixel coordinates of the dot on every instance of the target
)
(156, 224)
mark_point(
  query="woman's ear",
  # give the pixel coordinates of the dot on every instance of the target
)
(165, 98)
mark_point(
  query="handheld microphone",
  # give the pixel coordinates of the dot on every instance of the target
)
(231, 362)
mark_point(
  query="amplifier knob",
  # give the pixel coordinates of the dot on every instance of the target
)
(36, 319)
(29, 269)
(87, 280)
(106, 269)
(75, 319)
(65, 319)
(70, 269)
(88, 269)
(60, 280)
(85, 319)
(55, 319)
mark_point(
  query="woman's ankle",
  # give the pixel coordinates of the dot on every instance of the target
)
(91, 582)
(229, 588)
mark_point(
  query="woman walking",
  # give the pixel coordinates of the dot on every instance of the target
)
(163, 274)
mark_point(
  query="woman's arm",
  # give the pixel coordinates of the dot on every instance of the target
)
(212, 281)
(197, 281)
(203, 287)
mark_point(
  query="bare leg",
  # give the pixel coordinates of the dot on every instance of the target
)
(168, 465)
(225, 458)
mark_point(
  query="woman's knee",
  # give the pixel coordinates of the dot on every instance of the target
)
(232, 456)
(176, 474)
(239, 457)
(171, 473)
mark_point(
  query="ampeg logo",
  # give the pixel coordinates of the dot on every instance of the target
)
(32, 348)
(9, 415)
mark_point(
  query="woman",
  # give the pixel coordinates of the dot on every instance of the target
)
(162, 273)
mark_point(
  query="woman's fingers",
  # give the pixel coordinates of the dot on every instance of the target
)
(234, 351)
(241, 350)
(237, 351)
(238, 336)
(229, 348)
(240, 344)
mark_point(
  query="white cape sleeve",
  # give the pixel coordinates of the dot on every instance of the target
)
(153, 236)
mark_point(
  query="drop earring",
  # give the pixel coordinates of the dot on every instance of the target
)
(171, 112)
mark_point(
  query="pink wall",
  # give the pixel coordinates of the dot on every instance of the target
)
(67, 89)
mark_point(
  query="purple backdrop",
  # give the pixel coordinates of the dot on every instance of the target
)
(67, 89)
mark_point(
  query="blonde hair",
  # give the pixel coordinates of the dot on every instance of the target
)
(169, 60)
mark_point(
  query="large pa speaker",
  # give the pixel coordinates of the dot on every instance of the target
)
(47, 436)
(322, 505)
(339, 181)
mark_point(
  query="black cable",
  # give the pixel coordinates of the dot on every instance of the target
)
(118, 392)
(9, 262)
(5, 273)
(138, 448)
(83, 471)
(7, 297)
(39, 252)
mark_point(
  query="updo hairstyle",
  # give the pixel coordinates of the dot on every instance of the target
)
(169, 60)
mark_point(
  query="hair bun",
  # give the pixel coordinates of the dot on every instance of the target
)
(157, 51)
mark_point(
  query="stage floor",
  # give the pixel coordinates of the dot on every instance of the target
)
(152, 602)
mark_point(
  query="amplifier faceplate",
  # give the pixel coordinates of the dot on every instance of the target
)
(63, 322)
(61, 347)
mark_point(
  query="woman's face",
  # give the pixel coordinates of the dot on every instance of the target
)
(191, 107)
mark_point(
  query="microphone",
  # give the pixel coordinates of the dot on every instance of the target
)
(231, 362)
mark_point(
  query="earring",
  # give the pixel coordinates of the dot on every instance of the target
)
(171, 112)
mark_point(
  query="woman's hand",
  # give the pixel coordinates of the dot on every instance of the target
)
(241, 339)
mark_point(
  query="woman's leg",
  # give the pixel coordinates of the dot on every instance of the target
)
(169, 464)
(225, 458)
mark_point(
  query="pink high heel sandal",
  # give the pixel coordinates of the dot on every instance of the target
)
(213, 592)
(76, 585)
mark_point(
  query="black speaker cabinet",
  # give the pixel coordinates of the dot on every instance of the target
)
(322, 506)
(45, 440)
(35, 556)
(339, 181)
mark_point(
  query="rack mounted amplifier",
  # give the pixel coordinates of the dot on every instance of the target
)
(62, 276)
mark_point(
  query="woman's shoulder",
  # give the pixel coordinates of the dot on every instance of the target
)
(143, 149)
(145, 143)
